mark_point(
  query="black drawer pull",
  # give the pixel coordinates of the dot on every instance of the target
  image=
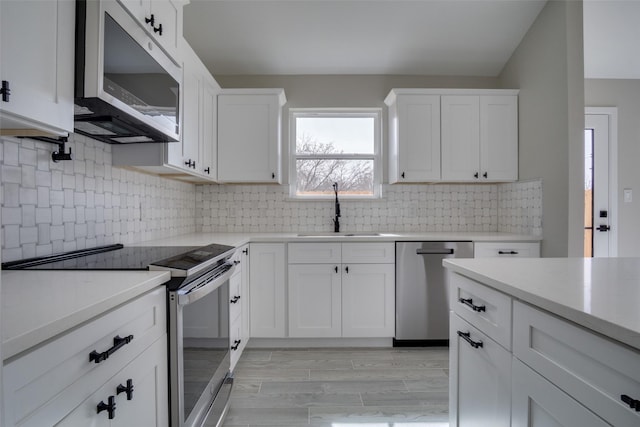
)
(467, 337)
(507, 253)
(236, 344)
(118, 343)
(126, 389)
(109, 407)
(633, 403)
(469, 303)
(158, 29)
(235, 299)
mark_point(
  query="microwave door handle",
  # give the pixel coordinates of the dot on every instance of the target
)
(193, 296)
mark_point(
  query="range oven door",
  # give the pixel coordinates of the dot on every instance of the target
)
(199, 356)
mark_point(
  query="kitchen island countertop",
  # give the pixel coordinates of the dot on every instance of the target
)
(38, 305)
(600, 294)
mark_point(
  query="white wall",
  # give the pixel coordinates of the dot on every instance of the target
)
(624, 94)
(547, 68)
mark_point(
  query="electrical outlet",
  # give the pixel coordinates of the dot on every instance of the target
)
(628, 195)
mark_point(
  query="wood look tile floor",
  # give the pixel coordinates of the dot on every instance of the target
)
(389, 387)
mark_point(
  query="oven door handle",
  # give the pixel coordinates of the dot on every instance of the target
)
(195, 295)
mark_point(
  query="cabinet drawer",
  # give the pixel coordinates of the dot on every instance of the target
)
(486, 309)
(368, 253)
(479, 378)
(315, 253)
(506, 249)
(36, 377)
(597, 372)
(235, 295)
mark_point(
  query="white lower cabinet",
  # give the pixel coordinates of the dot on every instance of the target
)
(135, 396)
(341, 290)
(506, 250)
(315, 300)
(538, 403)
(479, 378)
(558, 374)
(239, 304)
(65, 379)
(267, 290)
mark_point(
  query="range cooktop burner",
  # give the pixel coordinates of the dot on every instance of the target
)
(118, 257)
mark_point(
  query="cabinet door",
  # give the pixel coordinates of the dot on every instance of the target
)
(538, 403)
(460, 138)
(418, 138)
(267, 290)
(148, 403)
(249, 138)
(314, 300)
(208, 124)
(499, 138)
(168, 13)
(244, 288)
(37, 51)
(479, 378)
(368, 300)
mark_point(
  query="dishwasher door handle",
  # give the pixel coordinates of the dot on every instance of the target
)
(434, 251)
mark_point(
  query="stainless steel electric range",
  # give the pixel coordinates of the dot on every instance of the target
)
(198, 321)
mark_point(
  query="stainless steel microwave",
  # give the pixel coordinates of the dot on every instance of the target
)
(127, 89)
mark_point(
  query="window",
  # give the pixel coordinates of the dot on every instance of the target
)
(331, 145)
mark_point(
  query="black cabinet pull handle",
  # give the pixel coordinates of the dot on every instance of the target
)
(245, 251)
(109, 407)
(475, 175)
(485, 175)
(336, 268)
(207, 171)
(467, 337)
(633, 403)
(235, 299)
(236, 344)
(118, 343)
(158, 29)
(507, 253)
(273, 175)
(402, 175)
(126, 389)
(469, 303)
(346, 269)
(5, 91)
(151, 20)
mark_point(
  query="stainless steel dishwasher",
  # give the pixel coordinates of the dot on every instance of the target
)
(422, 291)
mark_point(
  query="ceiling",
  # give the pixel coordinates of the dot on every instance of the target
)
(402, 37)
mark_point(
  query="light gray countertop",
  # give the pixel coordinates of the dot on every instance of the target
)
(38, 305)
(600, 294)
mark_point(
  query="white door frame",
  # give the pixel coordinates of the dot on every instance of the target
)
(612, 113)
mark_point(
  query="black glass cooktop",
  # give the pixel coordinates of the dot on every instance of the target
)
(118, 257)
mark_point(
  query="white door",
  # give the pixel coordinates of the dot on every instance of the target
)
(600, 187)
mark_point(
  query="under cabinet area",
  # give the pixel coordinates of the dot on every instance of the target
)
(249, 133)
(341, 290)
(36, 69)
(453, 135)
(66, 378)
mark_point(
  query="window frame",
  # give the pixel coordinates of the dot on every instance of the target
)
(376, 157)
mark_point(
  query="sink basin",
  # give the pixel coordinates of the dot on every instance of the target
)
(362, 234)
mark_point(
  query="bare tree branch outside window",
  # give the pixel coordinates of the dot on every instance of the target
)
(316, 175)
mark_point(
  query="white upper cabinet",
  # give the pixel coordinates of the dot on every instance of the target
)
(160, 18)
(37, 51)
(453, 135)
(249, 133)
(414, 137)
(479, 138)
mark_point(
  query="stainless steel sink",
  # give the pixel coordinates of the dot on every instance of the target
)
(362, 234)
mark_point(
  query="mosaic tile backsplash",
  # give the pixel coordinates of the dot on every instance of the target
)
(52, 207)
